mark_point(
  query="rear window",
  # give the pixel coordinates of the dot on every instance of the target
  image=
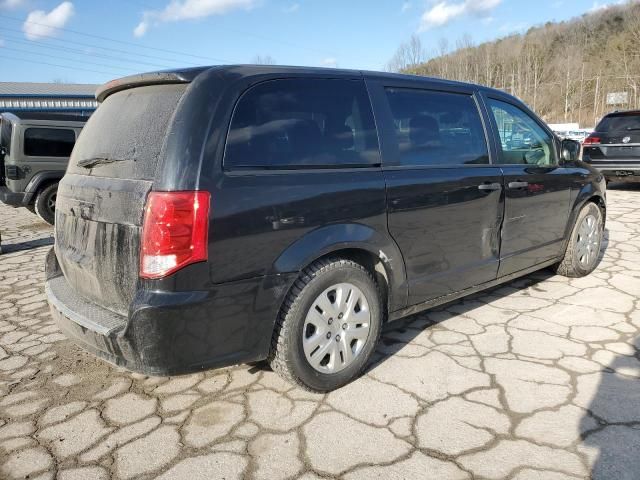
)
(303, 123)
(128, 130)
(616, 123)
(48, 142)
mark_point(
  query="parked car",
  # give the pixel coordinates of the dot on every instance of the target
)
(578, 135)
(221, 215)
(34, 152)
(614, 146)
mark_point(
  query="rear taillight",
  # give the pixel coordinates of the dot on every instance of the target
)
(174, 232)
(591, 140)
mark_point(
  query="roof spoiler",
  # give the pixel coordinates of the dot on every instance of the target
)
(141, 80)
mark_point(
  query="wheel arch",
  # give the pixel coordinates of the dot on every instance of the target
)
(357, 242)
(602, 205)
(587, 194)
(39, 181)
(592, 191)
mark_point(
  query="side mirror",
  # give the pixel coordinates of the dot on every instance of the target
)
(569, 150)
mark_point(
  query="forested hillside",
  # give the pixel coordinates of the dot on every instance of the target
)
(564, 71)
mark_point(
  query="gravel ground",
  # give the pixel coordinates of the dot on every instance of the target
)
(537, 379)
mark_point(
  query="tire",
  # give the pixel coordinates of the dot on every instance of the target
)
(45, 204)
(348, 340)
(581, 256)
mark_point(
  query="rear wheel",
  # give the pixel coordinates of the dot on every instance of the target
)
(329, 326)
(45, 204)
(583, 248)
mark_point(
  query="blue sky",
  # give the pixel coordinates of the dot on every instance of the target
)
(94, 41)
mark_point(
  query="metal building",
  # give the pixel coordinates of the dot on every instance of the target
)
(73, 98)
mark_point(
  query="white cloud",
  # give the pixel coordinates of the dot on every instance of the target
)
(445, 11)
(329, 62)
(1, 42)
(178, 10)
(11, 4)
(597, 6)
(40, 24)
(141, 28)
(294, 7)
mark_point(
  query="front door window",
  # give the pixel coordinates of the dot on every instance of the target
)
(523, 141)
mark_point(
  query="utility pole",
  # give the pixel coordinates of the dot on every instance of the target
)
(581, 90)
(535, 85)
(595, 100)
(566, 97)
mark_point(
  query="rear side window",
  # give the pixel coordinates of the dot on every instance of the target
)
(303, 123)
(619, 123)
(128, 131)
(48, 142)
(437, 128)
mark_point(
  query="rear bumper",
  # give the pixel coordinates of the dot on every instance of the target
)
(169, 333)
(15, 199)
(618, 169)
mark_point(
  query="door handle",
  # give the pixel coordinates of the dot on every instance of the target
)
(489, 186)
(514, 185)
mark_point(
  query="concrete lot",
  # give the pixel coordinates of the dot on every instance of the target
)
(539, 379)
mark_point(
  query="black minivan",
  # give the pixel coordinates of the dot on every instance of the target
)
(221, 215)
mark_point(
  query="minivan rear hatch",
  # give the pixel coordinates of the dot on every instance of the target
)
(101, 199)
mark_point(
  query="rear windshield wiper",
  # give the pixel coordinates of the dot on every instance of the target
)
(633, 128)
(93, 162)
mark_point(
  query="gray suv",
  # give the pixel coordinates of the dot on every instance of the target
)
(34, 152)
(614, 146)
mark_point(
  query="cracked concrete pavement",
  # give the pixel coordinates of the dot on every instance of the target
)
(537, 379)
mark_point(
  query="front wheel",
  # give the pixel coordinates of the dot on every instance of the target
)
(45, 204)
(328, 327)
(583, 249)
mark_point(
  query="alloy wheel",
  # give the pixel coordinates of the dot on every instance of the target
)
(51, 203)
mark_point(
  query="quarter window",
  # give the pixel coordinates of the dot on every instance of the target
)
(523, 141)
(437, 128)
(303, 123)
(48, 142)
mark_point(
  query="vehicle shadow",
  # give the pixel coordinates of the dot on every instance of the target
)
(27, 245)
(419, 321)
(398, 334)
(612, 441)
